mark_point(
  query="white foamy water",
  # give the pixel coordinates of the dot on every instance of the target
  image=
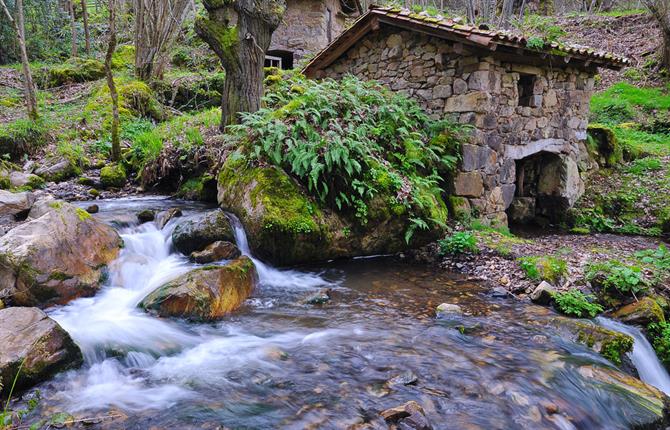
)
(643, 356)
(135, 361)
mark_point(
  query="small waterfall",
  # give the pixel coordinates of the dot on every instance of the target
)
(268, 275)
(643, 356)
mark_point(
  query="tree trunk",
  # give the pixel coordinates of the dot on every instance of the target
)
(660, 10)
(28, 84)
(111, 47)
(240, 32)
(73, 27)
(157, 24)
(87, 33)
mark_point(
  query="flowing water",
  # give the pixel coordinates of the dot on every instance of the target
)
(278, 363)
(643, 356)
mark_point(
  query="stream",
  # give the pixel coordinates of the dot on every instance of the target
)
(278, 363)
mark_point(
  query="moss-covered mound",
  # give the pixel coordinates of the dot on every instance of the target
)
(113, 176)
(75, 70)
(335, 169)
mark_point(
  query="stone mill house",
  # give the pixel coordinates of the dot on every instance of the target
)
(308, 26)
(528, 105)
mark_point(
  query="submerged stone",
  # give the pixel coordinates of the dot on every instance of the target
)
(407, 416)
(205, 294)
(146, 215)
(448, 308)
(321, 297)
(34, 346)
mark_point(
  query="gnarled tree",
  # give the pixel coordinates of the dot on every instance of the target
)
(157, 24)
(660, 9)
(240, 32)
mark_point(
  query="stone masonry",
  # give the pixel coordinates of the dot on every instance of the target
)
(309, 26)
(478, 87)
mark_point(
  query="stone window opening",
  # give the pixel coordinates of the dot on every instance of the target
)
(280, 59)
(525, 87)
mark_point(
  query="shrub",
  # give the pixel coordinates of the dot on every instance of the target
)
(659, 258)
(575, 303)
(22, 136)
(659, 334)
(350, 141)
(617, 203)
(614, 275)
(459, 243)
(543, 268)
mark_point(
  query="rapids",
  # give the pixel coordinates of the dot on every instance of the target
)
(277, 363)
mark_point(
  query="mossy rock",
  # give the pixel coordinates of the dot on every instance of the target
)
(75, 70)
(113, 176)
(460, 208)
(124, 57)
(610, 344)
(202, 188)
(603, 145)
(58, 169)
(286, 226)
(642, 312)
(205, 294)
(192, 92)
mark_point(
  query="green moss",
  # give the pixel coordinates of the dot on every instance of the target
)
(202, 188)
(615, 347)
(113, 176)
(93, 192)
(83, 215)
(543, 268)
(460, 208)
(610, 344)
(604, 146)
(75, 70)
(124, 57)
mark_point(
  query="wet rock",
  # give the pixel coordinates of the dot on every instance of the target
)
(406, 378)
(610, 344)
(408, 416)
(15, 203)
(543, 294)
(29, 336)
(146, 215)
(648, 407)
(499, 292)
(642, 312)
(205, 294)
(448, 308)
(162, 218)
(85, 180)
(55, 258)
(93, 209)
(216, 251)
(195, 234)
(321, 297)
(57, 169)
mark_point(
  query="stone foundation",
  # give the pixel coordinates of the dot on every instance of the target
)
(517, 110)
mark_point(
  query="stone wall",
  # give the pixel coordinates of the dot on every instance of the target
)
(479, 88)
(304, 29)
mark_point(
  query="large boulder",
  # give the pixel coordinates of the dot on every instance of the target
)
(55, 258)
(34, 343)
(15, 203)
(204, 294)
(196, 233)
(285, 226)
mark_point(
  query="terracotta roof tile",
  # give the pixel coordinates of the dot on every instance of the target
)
(454, 27)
